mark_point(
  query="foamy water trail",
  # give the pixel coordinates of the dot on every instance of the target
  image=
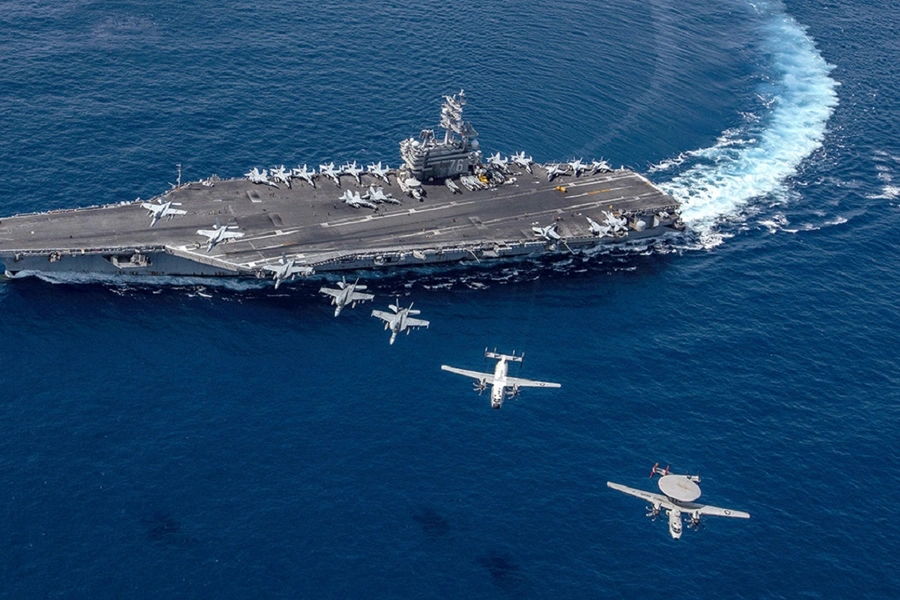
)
(756, 159)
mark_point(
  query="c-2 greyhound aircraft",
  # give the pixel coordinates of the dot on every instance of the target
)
(163, 209)
(220, 233)
(399, 319)
(346, 294)
(286, 270)
(499, 380)
(678, 495)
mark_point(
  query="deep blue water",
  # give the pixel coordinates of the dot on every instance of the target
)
(234, 442)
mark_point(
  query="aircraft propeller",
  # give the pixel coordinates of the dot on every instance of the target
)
(480, 386)
(513, 392)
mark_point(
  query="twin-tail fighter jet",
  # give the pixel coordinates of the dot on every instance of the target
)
(260, 177)
(281, 174)
(549, 232)
(554, 171)
(329, 171)
(679, 493)
(577, 167)
(355, 200)
(523, 161)
(305, 174)
(378, 196)
(399, 319)
(219, 234)
(346, 293)
(352, 169)
(157, 211)
(376, 170)
(495, 160)
(499, 380)
(286, 269)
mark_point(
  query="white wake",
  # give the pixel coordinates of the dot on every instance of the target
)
(756, 159)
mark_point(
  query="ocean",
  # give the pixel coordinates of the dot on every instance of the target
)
(204, 439)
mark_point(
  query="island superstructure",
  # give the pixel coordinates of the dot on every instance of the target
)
(444, 204)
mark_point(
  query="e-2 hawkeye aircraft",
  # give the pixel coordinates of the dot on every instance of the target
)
(499, 380)
(679, 493)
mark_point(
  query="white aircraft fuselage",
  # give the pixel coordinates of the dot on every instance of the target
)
(498, 389)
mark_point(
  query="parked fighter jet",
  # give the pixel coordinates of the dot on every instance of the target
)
(377, 195)
(304, 174)
(355, 200)
(262, 177)
(499, 380)
(548, 233)
(346, 294)
(554, 171)
(329, 171)
(599, 166)
(522, 160)
(619, 225)
(678, 495)
(378, 171)
(280, 174)
(496, 160)
(577, 167)
(286, 270)
(220, 233)
(399, 319)
(162, 209)
(352, 169)
(598, 229)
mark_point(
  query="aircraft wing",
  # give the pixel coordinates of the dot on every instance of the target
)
(416, 323)
(648, 496)
(384, 316)
(330, 291)
(466, 373)
(232, 235)
(519, 382)
(723, 512)
(151, 206)
(175, 211)
(206, 232)
(357, 297)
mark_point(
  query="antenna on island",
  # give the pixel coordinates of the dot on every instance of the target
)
(178, 181)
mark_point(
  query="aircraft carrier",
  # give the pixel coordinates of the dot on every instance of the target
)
(444, 204)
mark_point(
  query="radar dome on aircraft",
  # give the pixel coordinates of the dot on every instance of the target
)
(679, 487)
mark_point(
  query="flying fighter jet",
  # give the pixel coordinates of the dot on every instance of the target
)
(678, 495)
(378, 196)
(286, 270)
(378, 171)
(399, 319)
(352, 169)
(499, 380)
(346, 294)
(162, 209)
(220, 233)
(554, 171)
(255, 176)
(280, 174)
(522, 160)
(329, 171)
(355, 200)
(304, 174)
(549, 232)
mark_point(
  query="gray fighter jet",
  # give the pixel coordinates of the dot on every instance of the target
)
(329, 171)
(378, 196)
(577, 167)
(346, 294)
(219, 234)
(352, 169)
(679, 493)
(380, 172)
(286, 270)
(280, 174)
(160, 210)
(522, 160)
(497, 161)
(260, 177)
(399, 319)
(355, 200)
(554, 171)
(548, 233)
(304, 174)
